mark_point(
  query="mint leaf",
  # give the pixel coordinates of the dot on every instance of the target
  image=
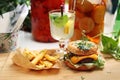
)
(60, 21)
(116, 53)
(117, 35)
(110, 46)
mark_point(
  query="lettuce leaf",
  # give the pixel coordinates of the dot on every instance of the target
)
(100, 62)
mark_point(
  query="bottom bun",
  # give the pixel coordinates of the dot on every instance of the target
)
(81, 68)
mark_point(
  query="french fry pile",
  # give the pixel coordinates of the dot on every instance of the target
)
(44, 59)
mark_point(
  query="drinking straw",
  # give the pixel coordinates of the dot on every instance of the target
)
(61, 8)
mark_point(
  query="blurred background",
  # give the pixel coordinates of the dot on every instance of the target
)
(8, 5)
(112, 6)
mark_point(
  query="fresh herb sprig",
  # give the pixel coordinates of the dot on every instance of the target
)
(111, 45)
(84, 45)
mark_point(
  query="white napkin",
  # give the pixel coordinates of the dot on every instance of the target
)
(13, 19)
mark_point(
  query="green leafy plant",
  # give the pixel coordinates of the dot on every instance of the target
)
(9, 5)
(111, 45)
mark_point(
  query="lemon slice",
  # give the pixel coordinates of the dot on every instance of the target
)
(67, 26)
(119, 41)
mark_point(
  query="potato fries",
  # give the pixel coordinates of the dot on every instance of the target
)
(51, 58)
(28, 54)
(47, 64)
(44, 59)
(39, 57)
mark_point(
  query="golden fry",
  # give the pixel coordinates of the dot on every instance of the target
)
(47, 64)
(51, 58)
(28, 54)
(39, 57)
(44, 59)
(40, 66)
(36, 52)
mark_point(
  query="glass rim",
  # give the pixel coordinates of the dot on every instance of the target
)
(59, 10)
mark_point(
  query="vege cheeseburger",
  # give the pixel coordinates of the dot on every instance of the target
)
(83, 55)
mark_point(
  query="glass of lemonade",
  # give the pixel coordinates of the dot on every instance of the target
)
(62, 26)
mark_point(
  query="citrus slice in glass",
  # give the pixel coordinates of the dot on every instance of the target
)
(68, 26)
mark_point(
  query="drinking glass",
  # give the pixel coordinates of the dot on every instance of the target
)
(62, 26)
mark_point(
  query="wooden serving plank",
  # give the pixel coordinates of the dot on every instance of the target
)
(11, 71)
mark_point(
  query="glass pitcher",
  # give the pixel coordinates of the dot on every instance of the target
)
(89, 19)
(40, 19)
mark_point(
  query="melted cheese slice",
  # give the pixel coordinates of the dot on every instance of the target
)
(76, 59)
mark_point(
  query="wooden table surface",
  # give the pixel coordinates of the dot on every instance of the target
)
(10, 71)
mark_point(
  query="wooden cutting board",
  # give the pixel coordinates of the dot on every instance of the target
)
(11, 71)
